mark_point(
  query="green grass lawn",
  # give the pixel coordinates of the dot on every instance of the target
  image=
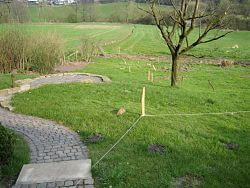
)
(19, 158)
(195, 146)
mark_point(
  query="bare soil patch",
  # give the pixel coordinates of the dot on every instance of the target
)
(186, 181)
(184, 59)
(156, 148)
(232, 146)
(71, 66)
(96, 137)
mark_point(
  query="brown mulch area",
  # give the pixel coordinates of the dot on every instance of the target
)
(71, 66)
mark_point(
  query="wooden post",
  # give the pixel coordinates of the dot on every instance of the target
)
(143, 102)
(154, 68)
(149, 75)
(124, 61)
(64, 59)
(13, 76)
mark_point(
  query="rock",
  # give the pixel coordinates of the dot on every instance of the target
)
(121, 111)
(156, 148)
(235, 46)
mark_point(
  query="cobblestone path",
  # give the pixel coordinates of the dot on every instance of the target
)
(49, 142)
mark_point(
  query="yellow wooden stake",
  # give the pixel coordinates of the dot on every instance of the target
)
(149, 75)
(154, 68)
(143, 102)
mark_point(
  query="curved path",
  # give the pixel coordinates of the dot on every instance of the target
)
(49, 142)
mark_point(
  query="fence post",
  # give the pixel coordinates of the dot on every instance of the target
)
(149, 75)
(154, 68)
(143, 102)
(13, 77)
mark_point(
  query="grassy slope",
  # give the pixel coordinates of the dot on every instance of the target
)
(195, 145)
(145, 39)
(74, 33)
(20, 157)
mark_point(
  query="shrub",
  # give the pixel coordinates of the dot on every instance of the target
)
(7, 141)
(87, 50)
(148, 20)
(40, 52)
(13, 45)
(72, 18)
(45, 53)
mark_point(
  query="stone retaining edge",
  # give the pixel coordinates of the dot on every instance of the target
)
(24, 85)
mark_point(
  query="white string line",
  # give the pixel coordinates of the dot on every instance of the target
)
(118, 141)
(199, 114)
(135, 123)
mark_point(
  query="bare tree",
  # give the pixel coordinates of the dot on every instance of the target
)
(177, 26)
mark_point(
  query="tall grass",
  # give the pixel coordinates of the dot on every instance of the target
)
(33, 52)
(46, 51)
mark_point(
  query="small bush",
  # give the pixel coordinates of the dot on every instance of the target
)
(147, 20)
(7, 142)
(87, 50)
(45, 53)
(40, 52)
(72, 18)
(13, 45)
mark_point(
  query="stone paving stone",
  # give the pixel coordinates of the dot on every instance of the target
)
(39, 133)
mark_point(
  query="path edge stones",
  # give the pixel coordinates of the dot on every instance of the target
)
(25, 85)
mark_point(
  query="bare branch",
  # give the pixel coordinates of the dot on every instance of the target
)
(216, 38)
(148, 12)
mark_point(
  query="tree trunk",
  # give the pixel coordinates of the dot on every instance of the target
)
(174, 70)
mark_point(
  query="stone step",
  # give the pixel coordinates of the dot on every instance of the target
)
(56, 174)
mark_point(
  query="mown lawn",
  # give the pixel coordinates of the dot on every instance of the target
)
(144, 40)
(195, 146)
